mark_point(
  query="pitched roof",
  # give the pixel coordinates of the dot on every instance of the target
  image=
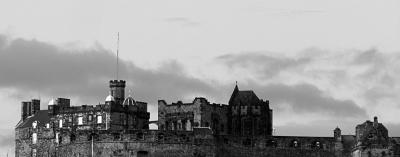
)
(245, 97)
(41, 116)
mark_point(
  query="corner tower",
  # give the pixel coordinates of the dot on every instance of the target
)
(117, 90)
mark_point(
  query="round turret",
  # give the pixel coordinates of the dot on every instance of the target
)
(110, 98)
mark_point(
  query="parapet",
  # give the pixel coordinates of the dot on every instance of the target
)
(117, 83)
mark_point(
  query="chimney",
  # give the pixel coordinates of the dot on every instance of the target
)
(375, 121)
(24, 110)
(35, 106)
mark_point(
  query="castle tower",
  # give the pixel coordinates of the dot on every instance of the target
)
(117, 90)
(337, 134)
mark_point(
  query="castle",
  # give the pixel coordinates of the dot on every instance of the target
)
(120, 127)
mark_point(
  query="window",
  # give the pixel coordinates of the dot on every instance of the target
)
(60, 123)
(99, 119)
(33, 152)
(57, 137)
(47, 125)
(295, 144)
(34, 138)
(80, 120)
(90, 118)
(34, 124)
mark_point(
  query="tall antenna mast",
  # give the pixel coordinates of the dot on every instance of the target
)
(117, 55)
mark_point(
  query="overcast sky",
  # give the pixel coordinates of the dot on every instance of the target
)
(321, 63)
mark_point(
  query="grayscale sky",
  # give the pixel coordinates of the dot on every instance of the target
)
(321, 63)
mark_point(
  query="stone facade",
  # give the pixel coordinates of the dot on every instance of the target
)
(199, 113)
(243, 128)
(373, 140)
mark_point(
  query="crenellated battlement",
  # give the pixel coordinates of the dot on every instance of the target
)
(117, 83)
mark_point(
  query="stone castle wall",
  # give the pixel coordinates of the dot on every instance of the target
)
(115, 143)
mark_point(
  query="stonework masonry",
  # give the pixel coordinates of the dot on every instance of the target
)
(241, 128)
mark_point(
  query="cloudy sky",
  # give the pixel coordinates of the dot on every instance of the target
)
(321, 63)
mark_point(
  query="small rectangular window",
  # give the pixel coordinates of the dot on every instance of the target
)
(80, 120)
(47, 125)
(60, 123)
(99, 119)
(34, 138)
(34, 124)
(33, 152)
(57, 137)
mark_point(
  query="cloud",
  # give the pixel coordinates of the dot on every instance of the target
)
(30, 65)
(264, 65)
(6, 139)
(306, 99)
(300, 84)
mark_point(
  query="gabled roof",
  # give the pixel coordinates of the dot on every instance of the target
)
(243, 96)
(247, 96)
(41, 117)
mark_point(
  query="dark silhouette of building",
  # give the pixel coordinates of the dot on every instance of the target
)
(248, 115)
(120, 127)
